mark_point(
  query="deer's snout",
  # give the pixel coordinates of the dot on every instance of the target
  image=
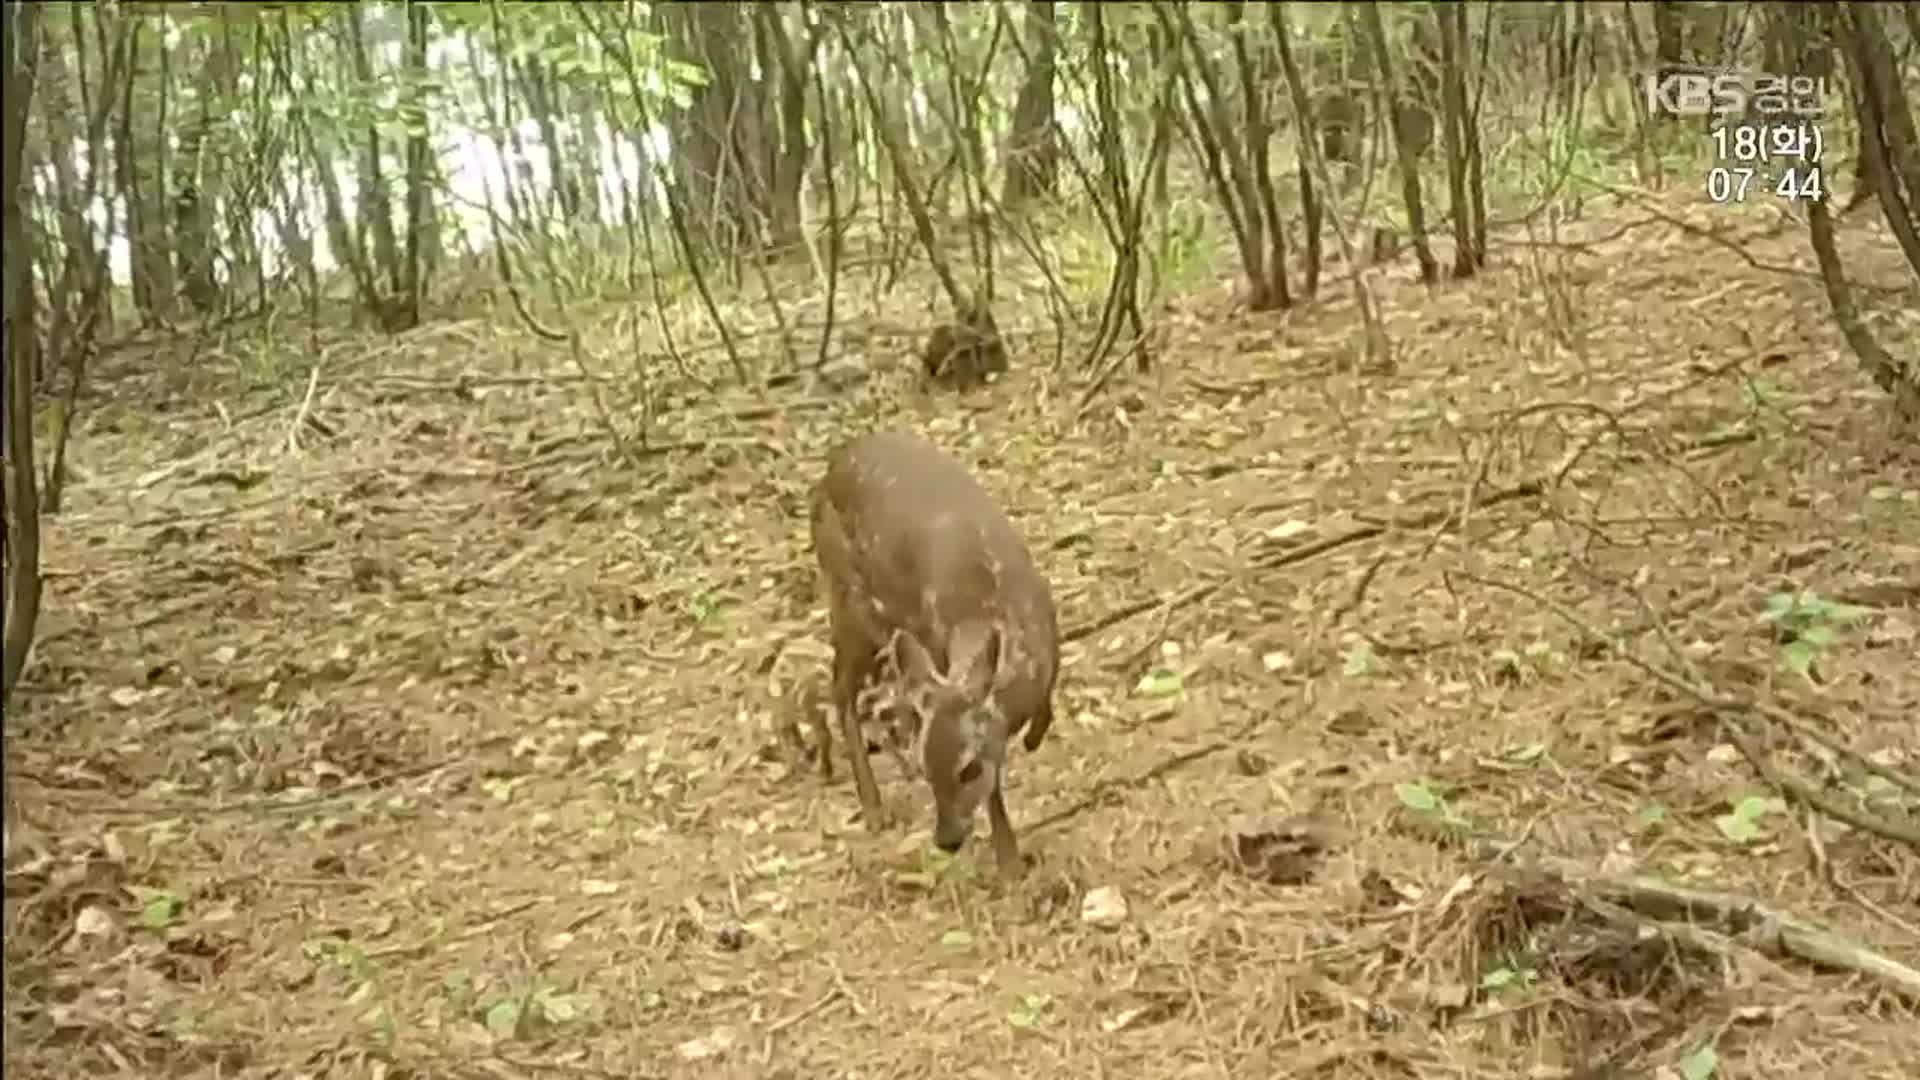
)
(951, 836)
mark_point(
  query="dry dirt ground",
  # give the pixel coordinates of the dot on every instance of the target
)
(450, 742)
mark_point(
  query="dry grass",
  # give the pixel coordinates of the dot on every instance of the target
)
(449, 746)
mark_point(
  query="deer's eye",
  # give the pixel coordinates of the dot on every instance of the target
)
(970, 772)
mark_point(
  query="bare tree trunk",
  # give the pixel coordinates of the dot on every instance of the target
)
(711, 177)
(420, 209)
(1457, 127)
(1790, 36)
(1304, 128)
(1122, 302)
(1891, 374)
(374, 200)
(1405, 151)
(142, 167)
(192, 215)
(1669, 30)
(20, 345)
(52, 84)
(241, 181)
(1033, 149)
(790, 162)
(1476, 169)
(1254, 80)
(287, 184)
(1886, 125)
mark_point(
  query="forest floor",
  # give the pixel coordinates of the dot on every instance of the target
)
(394, 724)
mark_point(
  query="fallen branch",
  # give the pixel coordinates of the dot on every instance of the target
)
(1676, 909)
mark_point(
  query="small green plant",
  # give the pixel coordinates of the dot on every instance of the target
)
(1649, 819)
(1360, 661)
(1528, 664)
(383, 1026)
(703, 606)
(457, 985)
(778, 870)
(935, 867)
(158, 907)
(1741, 824)
(1029, 1010)
(1700, 1064)
(351, 960)
(1762, 393)
(503, 1018)
(1807, 625)
(342, 953)
(513, 1017)
(1429, 806)
(1160, 683)
(1516, 974)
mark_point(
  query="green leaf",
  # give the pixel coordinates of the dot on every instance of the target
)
(503, 1018)
(1359, 660)
(1026, 1012)
(1879, 789)
(1797, 657)
(956, 939)
(703, 607)
(1528, 754)
(1742, 823)
(687, 74)
(1417, 797)
(1160, 683)
(159, 911)
(1700, 1064)
(384, 1027)
(1739, 830)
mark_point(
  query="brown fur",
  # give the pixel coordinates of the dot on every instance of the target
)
(923, 569)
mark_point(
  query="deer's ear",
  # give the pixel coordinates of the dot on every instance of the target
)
(974, 661)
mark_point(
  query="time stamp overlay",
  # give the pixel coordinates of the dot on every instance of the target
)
(1756, 159)
(1775, 150)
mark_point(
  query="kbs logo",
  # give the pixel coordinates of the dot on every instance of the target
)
(1709, 93)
